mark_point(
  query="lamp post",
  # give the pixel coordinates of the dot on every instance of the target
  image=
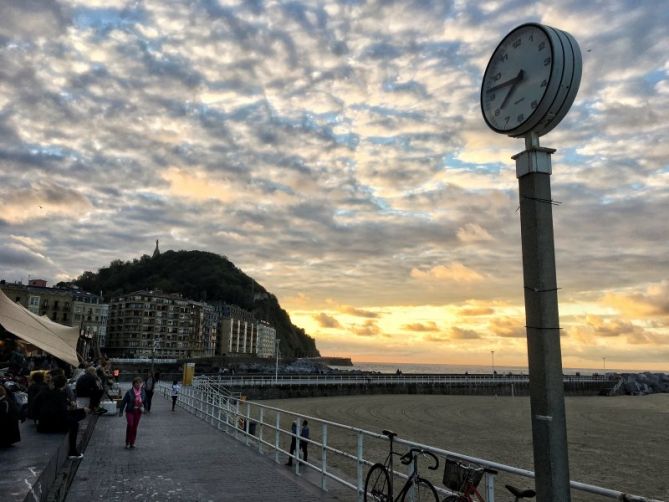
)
(492, 355)
(604, 360)
(276, 353)
(156, 345)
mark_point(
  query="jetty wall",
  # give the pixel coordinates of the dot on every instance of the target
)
(450, 388)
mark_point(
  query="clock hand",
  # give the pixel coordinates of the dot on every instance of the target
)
(512, 88)
(514, 80)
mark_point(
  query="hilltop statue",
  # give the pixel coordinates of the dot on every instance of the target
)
(156, 252)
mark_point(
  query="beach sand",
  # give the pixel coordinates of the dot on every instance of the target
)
(620, 443)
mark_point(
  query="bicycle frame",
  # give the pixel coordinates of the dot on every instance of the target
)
(412, 482)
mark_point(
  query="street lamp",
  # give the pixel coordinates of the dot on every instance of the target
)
(492, 355)
(604, 360)
(156, 345)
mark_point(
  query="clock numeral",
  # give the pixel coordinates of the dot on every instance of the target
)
(533, 104)
(520, 118)
(517, 43)
(544, 83)
(497, 112)
(503, 57)
(547, 61)
(491, 96)
(497, 76)
(542, 46)
(531, 38)
(506, 119)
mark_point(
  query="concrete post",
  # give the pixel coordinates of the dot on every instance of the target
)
(549, 430)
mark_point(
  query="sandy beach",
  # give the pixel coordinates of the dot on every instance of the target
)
(620, 443)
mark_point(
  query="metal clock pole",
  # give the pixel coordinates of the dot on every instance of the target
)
(549, 428)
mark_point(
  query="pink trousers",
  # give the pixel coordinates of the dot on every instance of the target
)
(131, 429)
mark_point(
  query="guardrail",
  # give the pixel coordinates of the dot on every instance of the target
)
(387, 379)
(345, 451)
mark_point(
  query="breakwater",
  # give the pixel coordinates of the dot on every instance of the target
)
(258, 388)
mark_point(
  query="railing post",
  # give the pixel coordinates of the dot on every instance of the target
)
(324, 458)
(360, 481)
(277, 437)
(489, 487)
(298, 431)
(247, 423)
(219, 409)
(259, 429)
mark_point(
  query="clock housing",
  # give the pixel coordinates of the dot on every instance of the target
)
(530, 81)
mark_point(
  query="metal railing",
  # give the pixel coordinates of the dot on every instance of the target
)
(388, 379)
(345, 451)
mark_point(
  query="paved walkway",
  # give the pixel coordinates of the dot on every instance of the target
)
(178, 457)
(22, 465)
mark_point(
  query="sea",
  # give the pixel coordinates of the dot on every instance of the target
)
(457, 369)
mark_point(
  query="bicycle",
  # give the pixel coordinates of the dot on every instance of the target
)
(464, 479)
(379, 481)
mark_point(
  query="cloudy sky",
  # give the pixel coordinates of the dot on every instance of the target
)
(335, 151)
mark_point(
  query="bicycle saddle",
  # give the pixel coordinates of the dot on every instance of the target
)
(520, 494)
(390, 434)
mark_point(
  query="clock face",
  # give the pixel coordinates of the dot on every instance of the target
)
(517, 78)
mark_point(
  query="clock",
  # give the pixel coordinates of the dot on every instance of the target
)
(531, 80)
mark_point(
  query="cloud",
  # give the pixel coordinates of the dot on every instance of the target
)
(471, 232)
(654, 301)
(348, 309)
(43, 201)
(476, 311)
(455, 272)
(333, 151)
(421, 327)
(463, 334)
(508, 327)
(327, 321)
(368, 329)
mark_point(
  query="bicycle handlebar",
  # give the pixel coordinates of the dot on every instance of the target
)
(409, 456)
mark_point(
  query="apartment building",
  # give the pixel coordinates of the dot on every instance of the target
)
(153, 323)
(266, 340)
(55, 303)
(238, 332)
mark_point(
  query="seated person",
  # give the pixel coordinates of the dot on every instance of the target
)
(54, 412)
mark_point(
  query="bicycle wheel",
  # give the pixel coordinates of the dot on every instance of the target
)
(377, 484)
(421, 490)
(455, 498)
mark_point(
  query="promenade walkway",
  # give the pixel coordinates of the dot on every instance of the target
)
(180, 458)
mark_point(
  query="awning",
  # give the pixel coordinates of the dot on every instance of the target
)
(56, 339)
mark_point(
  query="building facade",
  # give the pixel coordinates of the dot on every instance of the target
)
(238, 333)
(161, 325)
(68, 306)
(266, 346)
(55, 303)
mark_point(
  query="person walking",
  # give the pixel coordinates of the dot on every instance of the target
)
(304, 434)
(133, 404)
(9, 420)
(293, 441)
(175, 393)
(149, 387)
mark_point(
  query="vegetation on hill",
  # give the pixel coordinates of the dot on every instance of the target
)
(201, 276)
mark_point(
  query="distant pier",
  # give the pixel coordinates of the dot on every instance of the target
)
(294, 386)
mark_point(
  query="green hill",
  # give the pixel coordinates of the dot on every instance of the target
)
(201, 276)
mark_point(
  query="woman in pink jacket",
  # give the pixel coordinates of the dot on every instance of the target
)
(133, 403)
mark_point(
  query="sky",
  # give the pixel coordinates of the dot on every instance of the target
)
(335, 152)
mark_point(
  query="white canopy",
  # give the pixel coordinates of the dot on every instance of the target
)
(56, 339)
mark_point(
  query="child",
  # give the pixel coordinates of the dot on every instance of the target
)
(175, 393)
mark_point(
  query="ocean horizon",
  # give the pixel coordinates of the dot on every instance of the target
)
(410, 368)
